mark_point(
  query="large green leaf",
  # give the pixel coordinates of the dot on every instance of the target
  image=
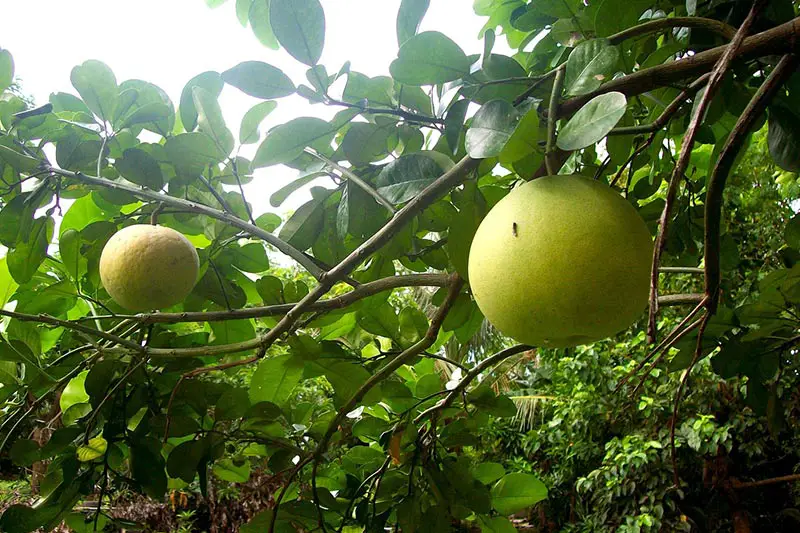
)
(248, 131)
(97, 86)
(303, 227)
(784, 137)
(141, 168)
(260, 24)
(211, 122)
(491, 128)
(524, 140)
(516, 492)
(590, 64)
(147, 467)
(429, 58)
(299, 26)
(74, 393)
(25, 258)
(210, 81)
(259, 79)
(617, 15)
(94, 449)
(365, 142)
(280, 196)
(381, 320)
(286, 142)
(409, 17)
(275, 379)
(13, 155)
(192, 153)
(404, 178)
(7, 283)
(593, 121)
(6, 69)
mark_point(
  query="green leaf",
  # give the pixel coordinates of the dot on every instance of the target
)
(365, 142)
(6, 69)
(192, 153)
(497, 524)
(233, 404)
(286, 142)
(409, 18)
(210, 120)
(429, 58)
(12, 155)
(80, 523)
(94, 449)
(524, 140)
(74, 393)
(280, 196)
(590, 64)
(248, 131)
(413, 325)
(488, 472)
(275, 379)
(147, 467)
(243, 11)
(381, 320)
(210, 81)
(270, 289)
(252, 257)
(303, 227)
(792, 232)
(69, 247)
(783, 137)
(7, 283)
(97, 86)
(259, 79)
(260, 23)
(616, 15)
(25, 452)
(227, 470)
(299, 26)
(516, 492)
(491, 128)
(593, 121)
(141, 168)
(25, 259)
(454, 122)
(184, 460)
(405, 177)
(20, 519)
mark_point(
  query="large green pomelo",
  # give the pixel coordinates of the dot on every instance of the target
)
(561, 261)
(145, 267)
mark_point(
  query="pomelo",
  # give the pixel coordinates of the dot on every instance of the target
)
(561, 261)
(145, 267)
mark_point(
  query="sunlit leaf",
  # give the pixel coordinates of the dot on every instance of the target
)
(259, 79)
(429, 58)
(593, 121)
(299, 26)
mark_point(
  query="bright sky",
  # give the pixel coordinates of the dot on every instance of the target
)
(167, 42)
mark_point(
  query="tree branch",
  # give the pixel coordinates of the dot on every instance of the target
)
(762, 482)
(714, 82)
(474, 373)
(408, 115)
(338, 302)
(778, 40)
(716, 183)
(195, 207)
(680, 299)
(552, 117)
(713, 25)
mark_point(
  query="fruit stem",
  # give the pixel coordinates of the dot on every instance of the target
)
(552, 118)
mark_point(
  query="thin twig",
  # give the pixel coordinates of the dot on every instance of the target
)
(716, 26)
(407, 115)
(552, 119)
(195, 207)
(351, 176)
(677, 401)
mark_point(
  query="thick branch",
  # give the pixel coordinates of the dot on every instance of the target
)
(304, 260)
(778, 40)
(714, 82)
(680, 299)
(339, 302)
(716, 183)
(762, 482)
(489, 362)
(716, 26)
(401, 359)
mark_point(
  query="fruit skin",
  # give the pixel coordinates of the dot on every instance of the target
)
(145, 267)
(561, 261)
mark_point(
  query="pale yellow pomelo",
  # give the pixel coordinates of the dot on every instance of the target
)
(561, 261)
(145, 267)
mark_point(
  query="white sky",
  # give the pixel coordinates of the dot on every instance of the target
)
(167, 42)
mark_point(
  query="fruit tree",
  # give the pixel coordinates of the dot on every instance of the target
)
(153, 339)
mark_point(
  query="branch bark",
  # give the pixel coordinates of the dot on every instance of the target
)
(339, 302)
(713, 25)
(716, 183)
(194, 207)
(714, 81)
